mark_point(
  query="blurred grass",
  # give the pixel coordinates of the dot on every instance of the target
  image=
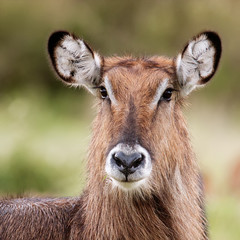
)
(224, 215)
(40, 135)
(216, 139)
(45, 127)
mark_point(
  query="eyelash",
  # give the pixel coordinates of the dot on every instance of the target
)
(167, 95)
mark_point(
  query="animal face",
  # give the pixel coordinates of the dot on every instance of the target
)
(139, 131)
(141, 94)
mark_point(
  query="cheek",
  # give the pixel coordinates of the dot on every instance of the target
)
(102, 131)
(118, 117)
(161, 131)
(106, 127)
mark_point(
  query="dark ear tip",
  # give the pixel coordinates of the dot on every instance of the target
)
(54, 39)
(215, 39)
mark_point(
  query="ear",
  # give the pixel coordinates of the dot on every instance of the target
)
(198, 62)
(74, 61)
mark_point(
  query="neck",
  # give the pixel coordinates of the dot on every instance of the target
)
(110, 213)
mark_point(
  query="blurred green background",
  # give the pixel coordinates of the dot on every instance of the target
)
(45, 127)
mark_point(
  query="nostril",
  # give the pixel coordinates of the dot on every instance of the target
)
(117, 160)
(138, 161)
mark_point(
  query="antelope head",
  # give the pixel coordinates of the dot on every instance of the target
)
(139, 132)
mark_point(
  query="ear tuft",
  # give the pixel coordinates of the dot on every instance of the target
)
(74, 61)
(198, 62)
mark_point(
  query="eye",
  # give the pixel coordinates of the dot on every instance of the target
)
(103, 92)
(166, 96)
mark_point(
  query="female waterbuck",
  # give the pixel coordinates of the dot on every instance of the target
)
(143, 180)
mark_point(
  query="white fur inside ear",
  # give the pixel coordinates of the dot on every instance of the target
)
(75, 61)
(195, 64)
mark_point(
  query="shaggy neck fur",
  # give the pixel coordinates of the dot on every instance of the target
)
(161, 215)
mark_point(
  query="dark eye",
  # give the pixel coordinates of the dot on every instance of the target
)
(167, 94)
(103, 92)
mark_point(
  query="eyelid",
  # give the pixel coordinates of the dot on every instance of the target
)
(173, 89)
(98, 87)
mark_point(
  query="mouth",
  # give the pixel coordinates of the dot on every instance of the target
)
(128, 185)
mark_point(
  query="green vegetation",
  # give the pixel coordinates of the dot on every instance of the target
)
(45, 127)
(43, 142)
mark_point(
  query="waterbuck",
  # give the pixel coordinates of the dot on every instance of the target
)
(143, 179)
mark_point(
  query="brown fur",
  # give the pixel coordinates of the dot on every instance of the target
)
(169, 208)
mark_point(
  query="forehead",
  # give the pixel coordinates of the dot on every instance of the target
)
(129, 74)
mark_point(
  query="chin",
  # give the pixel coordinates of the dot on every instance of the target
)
(136, 189)
(128, 186)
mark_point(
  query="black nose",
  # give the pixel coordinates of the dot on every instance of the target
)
(128, 163)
